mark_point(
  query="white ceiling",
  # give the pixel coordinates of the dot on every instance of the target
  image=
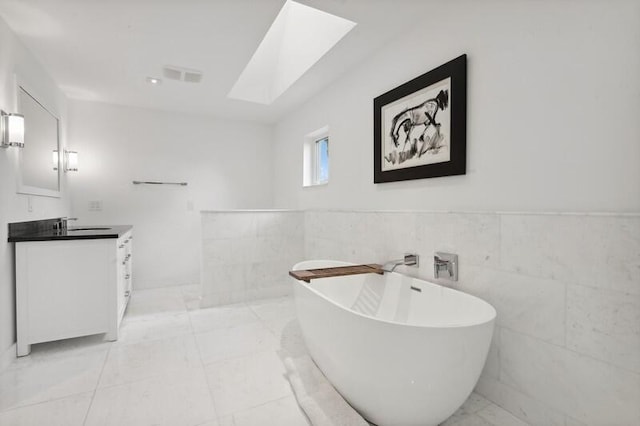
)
(103, 50)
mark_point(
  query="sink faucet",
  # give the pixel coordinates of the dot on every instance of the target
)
(409, 259)
(61, 223)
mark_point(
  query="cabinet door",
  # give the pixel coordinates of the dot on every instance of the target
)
(64, 288)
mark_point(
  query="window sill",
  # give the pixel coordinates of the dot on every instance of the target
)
(312, 185)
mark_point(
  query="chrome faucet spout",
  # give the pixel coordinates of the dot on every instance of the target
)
(409, 259)
(392, 264)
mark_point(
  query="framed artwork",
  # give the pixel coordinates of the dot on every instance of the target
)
(420, 127)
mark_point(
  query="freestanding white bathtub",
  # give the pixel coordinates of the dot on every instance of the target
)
(401, 351)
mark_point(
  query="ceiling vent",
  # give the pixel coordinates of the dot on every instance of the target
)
(182, 74)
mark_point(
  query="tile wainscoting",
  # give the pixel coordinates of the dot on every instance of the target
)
(566, 349)
(246, 254)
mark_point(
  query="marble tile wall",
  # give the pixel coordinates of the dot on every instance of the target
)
(566, 349)
(246, 255)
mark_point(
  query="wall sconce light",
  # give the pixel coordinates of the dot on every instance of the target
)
(11, 130)
(70, 159)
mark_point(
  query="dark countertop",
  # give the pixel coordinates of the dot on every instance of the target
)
(74, 233)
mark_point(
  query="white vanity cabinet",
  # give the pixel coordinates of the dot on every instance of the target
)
(71, 287)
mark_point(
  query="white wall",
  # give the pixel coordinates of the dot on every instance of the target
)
(227, 165)
(14, 58)
(553, 99)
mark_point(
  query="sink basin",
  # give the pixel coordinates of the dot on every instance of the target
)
(87, 229)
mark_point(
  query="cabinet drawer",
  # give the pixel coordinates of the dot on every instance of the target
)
(124, 258)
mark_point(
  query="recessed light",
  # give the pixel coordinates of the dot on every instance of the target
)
(154, 81)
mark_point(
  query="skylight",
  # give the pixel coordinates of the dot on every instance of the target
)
(297, 39)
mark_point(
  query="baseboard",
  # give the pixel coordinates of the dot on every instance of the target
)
(7, 357)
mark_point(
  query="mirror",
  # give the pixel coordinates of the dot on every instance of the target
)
(39, 173)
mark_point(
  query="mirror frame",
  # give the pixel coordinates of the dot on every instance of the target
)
(34, 190)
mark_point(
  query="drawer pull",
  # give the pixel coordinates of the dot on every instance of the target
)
(126, 277)
(121, 246)
(128, 256)
(127, 293)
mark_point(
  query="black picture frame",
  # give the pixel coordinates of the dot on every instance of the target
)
(400, 128)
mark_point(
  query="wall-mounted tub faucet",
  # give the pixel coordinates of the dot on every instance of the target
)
(409, 259)
(445, 265)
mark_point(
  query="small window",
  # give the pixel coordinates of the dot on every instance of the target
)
(316, 158)
(322, 161)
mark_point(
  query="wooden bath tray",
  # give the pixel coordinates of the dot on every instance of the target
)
(338, 271)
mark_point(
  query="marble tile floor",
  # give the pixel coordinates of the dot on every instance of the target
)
(177, 365)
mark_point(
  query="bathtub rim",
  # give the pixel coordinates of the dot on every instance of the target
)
(396, 323)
